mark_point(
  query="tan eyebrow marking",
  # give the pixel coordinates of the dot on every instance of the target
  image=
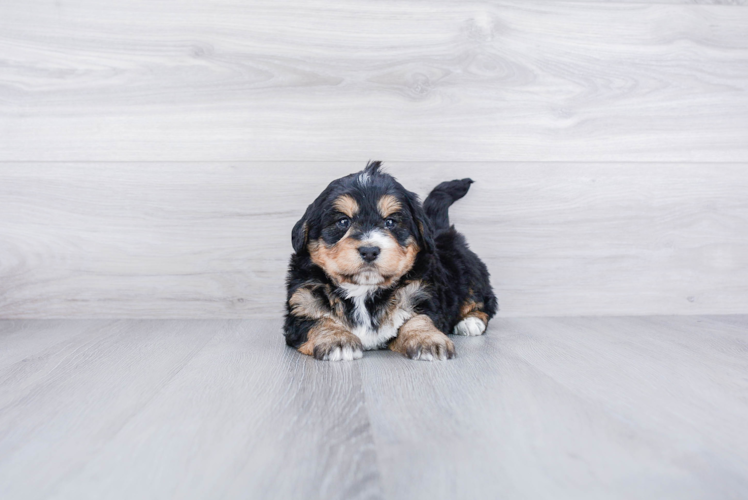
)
(388, 205)
(346, 205)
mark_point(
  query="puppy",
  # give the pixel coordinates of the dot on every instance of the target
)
(372, 268)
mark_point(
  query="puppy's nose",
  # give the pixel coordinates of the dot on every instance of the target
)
(369, 254)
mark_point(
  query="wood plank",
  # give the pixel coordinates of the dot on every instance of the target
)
(190, 240)
(30, 351)
(616, 407)
(350, 80)
(47, 335)
(240, 415)
(567, 408)
(75, 396)
(696, 2)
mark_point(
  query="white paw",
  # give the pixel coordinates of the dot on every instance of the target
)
(434, 353)
(346, 353)
(425, 356)
(470, 326)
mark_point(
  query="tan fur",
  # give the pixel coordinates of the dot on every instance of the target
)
(388, 205)
(342, 260)
(327, 335)
(339, 261)
(336, 305)
(347, 205)
(396, 261)
(419, 338)
(305, 304)
(474, 309)
(402, 301)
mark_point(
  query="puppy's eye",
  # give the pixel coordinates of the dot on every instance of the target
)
(390, 223)
(343, 223)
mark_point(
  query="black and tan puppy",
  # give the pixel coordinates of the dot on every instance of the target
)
(372, 268)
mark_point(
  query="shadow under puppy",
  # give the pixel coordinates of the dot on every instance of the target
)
(372, 268)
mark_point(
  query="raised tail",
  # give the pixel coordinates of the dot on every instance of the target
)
(437, 203)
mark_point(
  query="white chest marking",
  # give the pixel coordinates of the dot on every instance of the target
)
(376, 338)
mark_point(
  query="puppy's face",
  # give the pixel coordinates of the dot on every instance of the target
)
(364, 229)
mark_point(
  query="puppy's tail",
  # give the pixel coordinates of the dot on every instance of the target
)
(437, 203)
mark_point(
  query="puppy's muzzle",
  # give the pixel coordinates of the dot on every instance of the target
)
(369, 254)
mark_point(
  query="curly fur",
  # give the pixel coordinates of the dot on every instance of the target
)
(425, 283)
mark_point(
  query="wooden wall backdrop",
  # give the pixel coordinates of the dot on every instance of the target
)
(155, 155)
(213, 239)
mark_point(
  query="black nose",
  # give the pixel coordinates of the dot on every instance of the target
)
(369, 254)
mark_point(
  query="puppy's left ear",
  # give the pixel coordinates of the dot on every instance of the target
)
(423, 229)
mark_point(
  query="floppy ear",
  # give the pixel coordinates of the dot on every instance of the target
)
(423, 228)
(310, 220)
(300, 232)
(299, 235)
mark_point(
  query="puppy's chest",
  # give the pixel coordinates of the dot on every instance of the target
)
(377, 320)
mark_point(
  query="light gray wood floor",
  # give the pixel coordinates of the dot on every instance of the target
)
(614, 407)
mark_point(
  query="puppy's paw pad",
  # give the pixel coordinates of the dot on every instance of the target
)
(470, 326)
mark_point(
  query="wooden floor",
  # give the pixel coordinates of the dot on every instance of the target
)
(616, 407)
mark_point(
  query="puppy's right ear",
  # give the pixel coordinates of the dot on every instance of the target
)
(299, 235)
(300, 232)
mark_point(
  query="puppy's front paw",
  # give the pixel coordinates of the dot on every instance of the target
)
(418, 338)
(340, 349)
(330, 341)
(431, 348)
(470, 326)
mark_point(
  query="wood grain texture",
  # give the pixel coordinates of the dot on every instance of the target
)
(171, 240)
(54, 398)
(647, 407)
(199, 409)
(696, 2)
(568, 408)
(350, 80)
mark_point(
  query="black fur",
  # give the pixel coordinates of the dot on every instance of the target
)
(437, 203)
(452, 272)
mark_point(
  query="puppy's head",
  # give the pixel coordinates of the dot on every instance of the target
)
(364, 229)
